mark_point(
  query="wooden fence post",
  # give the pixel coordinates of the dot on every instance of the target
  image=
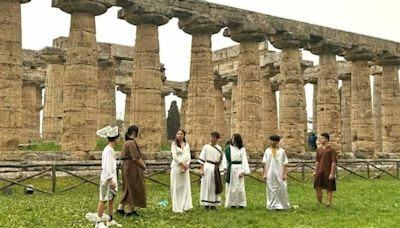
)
(53, 178)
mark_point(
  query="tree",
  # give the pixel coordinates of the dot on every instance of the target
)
(173, 120)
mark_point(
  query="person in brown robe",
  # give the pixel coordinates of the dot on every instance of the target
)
(325, 170)
(133, 188)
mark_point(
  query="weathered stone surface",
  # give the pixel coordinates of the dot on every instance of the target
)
(345, 112)
(80, 86)
(200, 111)
(377, 111)
(315, 113)
(106, 94)
(31, 106)
(94, 8)
(361, 108)
(146, 106)
(219, 121)
(328, 103)
(249, 104)
(10, 74)
(53, 97)
(291, 101)
(390, 109)
(269, 120)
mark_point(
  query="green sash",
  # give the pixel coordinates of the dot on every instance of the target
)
(230, 162)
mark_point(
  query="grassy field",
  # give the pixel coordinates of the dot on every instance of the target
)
(357, 203)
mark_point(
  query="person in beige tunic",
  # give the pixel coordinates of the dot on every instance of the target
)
(134, 189)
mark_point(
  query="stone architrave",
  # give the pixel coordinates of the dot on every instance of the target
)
(81, 76)
(328, 100)
(146, 105)
(249, 94)
(291, 97)
(201, 105)
(53, 94)
(345, 112)
(361, 108)
(377, 111)
(390, 105)
(31, 106)
(10, 73)
(106, 94)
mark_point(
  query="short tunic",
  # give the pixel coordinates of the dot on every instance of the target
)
(108, 171)
(325, 158)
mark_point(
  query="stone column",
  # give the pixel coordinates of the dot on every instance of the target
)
(328, 101)
(390, 104)
(234, 107)
(274, 112)
(219, 121)
(249, 105)
(228, 111)
(361, 109)
(53, 95)
(345, 112)
(127, 114)
(146, 106)
(268, 115)
(377, 111)
(315, 113)
(106, 94)
(291, 101)
(31, 106)
(81, 76)
(183, 111)
(200, 113)
(10, 73)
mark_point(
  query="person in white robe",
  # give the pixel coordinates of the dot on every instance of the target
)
(235, 166)
(210, 159)
(275, 173)
(181, 194)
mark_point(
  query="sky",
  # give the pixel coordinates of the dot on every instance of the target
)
(379, 18)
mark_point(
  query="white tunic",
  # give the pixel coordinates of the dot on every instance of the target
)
(181, 194)
(207, 189)
(108, 165)
(235, 193)
(277, 195)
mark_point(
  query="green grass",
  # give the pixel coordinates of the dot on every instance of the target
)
(357, 203)
(42, 146)
(101, 143)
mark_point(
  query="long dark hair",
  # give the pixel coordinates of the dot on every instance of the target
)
(177, 141)
(237, 141)
(131, 129)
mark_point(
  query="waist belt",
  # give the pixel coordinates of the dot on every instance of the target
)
(236, 162)
(125, 158)
(212, 162)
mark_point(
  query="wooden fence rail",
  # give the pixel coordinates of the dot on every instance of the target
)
(367, 169)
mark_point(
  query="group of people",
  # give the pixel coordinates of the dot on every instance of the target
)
(214, 161)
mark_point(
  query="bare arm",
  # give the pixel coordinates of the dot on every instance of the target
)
(202, 169)
(333, 171)
(316, 166)
(285, 172)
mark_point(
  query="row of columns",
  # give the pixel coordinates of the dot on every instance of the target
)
(252, 98)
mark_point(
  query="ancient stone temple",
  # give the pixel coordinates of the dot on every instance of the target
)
(232, 90)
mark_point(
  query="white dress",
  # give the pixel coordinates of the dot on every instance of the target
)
(181, 193)
(207, 189)
(108, 171)
(235, 193)
(277, 194)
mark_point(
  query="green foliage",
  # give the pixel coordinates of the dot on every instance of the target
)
(101, 143)
(166, 146)
(357, 203)
(173, 120)
(41, 146)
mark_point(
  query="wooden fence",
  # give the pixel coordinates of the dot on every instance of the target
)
(299, 170)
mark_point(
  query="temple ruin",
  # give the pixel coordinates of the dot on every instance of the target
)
(232, 90)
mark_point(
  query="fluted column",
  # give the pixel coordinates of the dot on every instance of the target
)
(291, 101)
(228, 111)
(249, 94)
(361, 108)
(200, 113)
(345, 112)
(53, 94)
(390, 104)
(81, 76)
(10, 73)
(146, 106)
(377, 110)
(106, 94)
(183, 110)
(234, 107)
(315, 113)
(219, 121)
(268, 115)
(328, 101)
(31, 106)
(127, 91)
